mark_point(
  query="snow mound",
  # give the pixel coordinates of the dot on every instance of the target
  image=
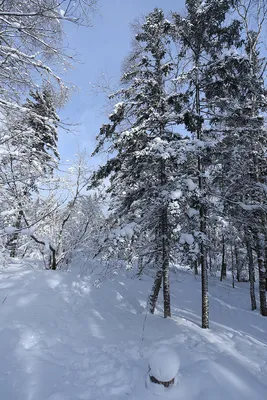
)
(164, 364)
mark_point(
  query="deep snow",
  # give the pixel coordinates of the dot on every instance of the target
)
(62, 338)
(164, 364)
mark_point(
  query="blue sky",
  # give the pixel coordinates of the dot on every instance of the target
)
(100, 49)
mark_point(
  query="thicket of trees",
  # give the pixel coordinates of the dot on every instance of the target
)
(186, 139)
(39, 208)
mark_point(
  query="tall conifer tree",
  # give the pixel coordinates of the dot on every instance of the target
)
(144, 143)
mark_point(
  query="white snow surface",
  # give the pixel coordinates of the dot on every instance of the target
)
(63, 338)
(164, 364)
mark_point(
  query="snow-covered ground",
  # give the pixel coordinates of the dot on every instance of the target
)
(62, 338)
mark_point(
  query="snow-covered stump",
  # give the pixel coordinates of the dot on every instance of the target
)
(164, 367)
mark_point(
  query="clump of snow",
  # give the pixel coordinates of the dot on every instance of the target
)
(186, 238)
(27, 231)
(190, 184)
(249, 207)
(118, 107)
(8, 212)
(191, 212)
(164, 364)
(127, 230)
(15, 25)
(10, 230)
(177, 194)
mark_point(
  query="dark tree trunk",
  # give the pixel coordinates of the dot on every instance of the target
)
(251, 272)
(155, 291)
(140, 266)
(53, 262)
(165, 249)
(204, 272)
(196, 267)
(262, 273)
(265, 265)
(223, 266)
(166, 264)
(204, 289)
(237, 265)
(233, 267)
(13, 242)
(202, 214)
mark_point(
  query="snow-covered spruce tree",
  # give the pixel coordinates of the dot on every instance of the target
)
(30, 156)
(257, 108)
(202, 32)
(43, 120)
(239, 111)
(142, 141)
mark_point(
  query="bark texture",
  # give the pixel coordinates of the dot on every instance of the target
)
(262, 273)
(251, 276)
(155, 291)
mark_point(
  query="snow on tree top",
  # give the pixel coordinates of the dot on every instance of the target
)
(191, 212)
(176, 194)
(190, 184)
(164, 364)
(186, 238)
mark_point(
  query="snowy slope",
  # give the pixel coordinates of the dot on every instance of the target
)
(61, 338)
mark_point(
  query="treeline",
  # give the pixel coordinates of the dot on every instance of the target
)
(43, 211)
(186, 140)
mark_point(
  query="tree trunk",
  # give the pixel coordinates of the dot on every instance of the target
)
(202, 214)
(233, 270)
(237, 265)
(204, 273)
(223, 266)
(265, 265)
(162, 275)
(204, 289)
(13, 242)
(166, 264)
(165, 249)
(196, 267)
(251, 276)
(210, 261)
(155, 291)
(140, 266)
(262, 273)
(53, 262)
